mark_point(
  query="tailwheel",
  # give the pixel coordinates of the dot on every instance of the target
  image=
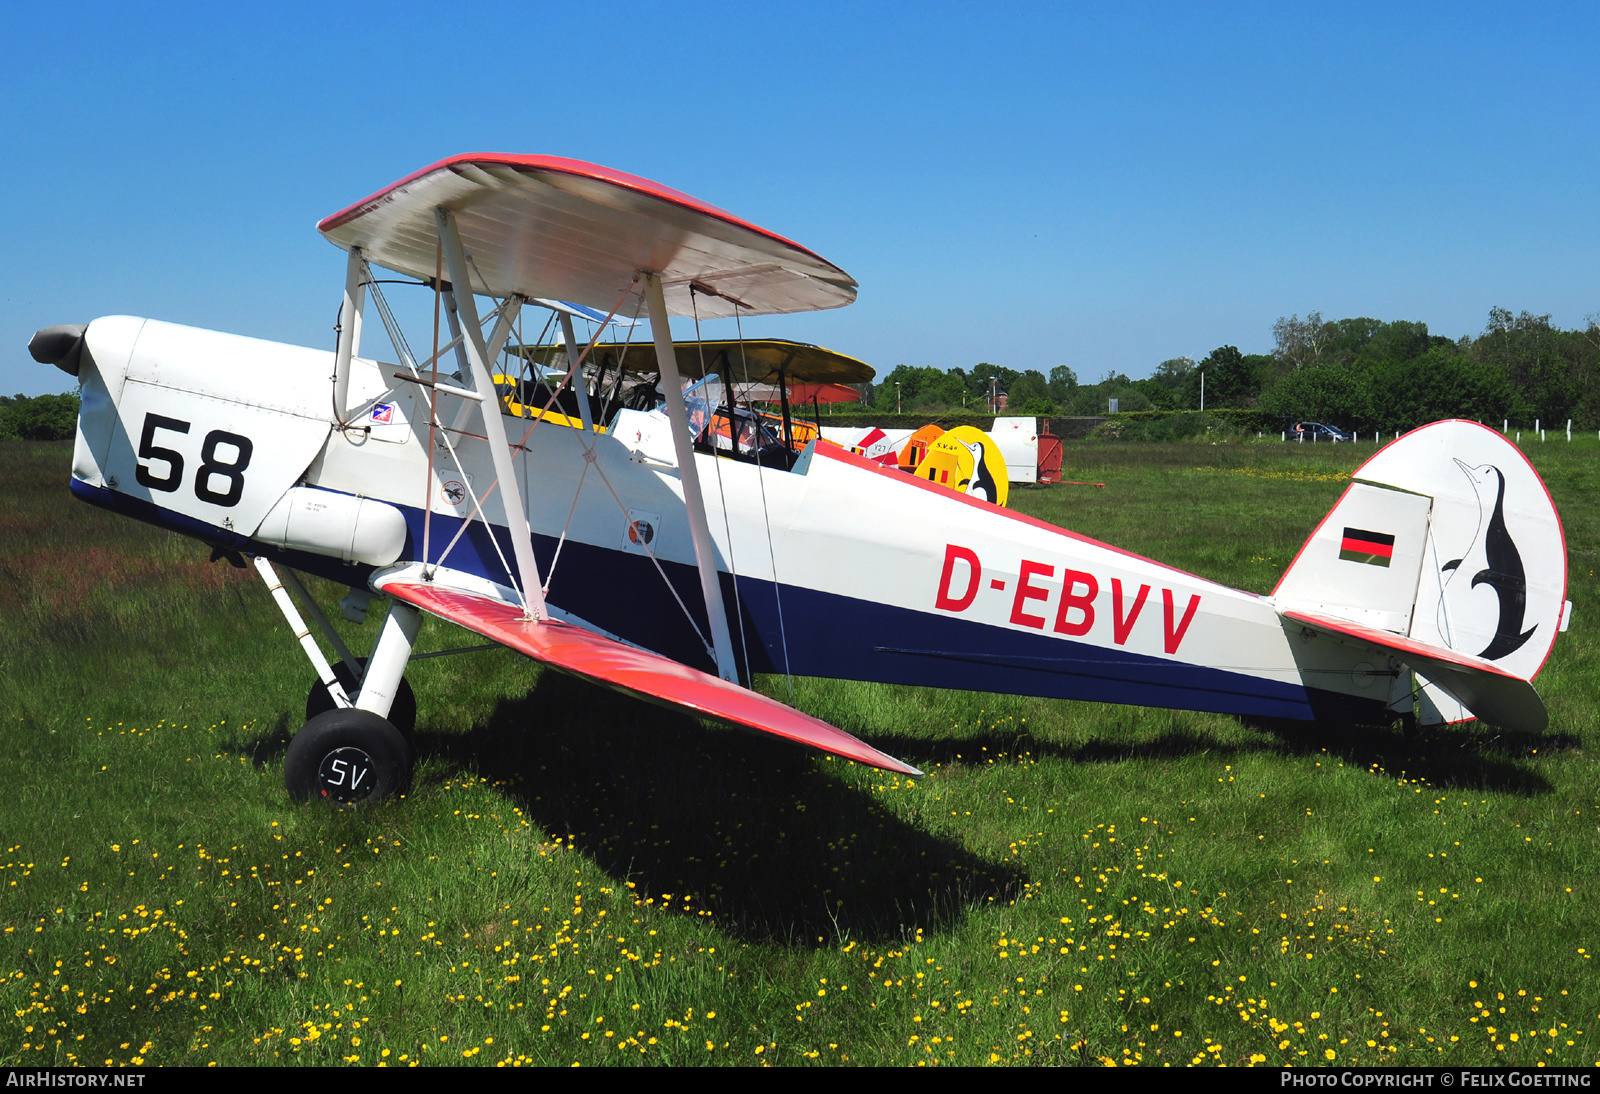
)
(348, 756)
(402, 713)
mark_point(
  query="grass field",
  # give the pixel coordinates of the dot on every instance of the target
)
(576, 878)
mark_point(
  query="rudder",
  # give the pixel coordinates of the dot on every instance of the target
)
(1449, 537)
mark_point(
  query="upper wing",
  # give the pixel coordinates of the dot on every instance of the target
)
(762, 361)
(1484, 688)
(544, 226)
(636, 672)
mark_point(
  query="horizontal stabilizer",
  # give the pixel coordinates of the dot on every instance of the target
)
(1490, 692)
(637, 672)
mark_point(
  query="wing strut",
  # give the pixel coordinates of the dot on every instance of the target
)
(494, 429)
(688, 475)
(350, 315)
(579, 388)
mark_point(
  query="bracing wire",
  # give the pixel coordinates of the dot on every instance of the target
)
(650, 553)
(477, 502)
(437, 432)
(577, 492)
(722, 496)
(575, 366)
(622, 358)
(590, 446)
(766, 516)
(433, 413)
(397, 337)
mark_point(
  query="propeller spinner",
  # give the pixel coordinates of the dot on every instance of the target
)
(60, 346)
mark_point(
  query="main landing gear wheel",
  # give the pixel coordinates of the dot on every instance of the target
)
(402, 713)
(348, 756)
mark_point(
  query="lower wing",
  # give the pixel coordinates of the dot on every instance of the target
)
(636, 672)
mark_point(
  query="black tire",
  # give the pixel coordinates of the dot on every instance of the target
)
(402, 713)
(351, 757)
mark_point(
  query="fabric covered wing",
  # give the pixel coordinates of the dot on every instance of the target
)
(544, 226)
(637, 672)
(1490, 692)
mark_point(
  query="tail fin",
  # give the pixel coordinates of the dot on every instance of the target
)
(1449, 538)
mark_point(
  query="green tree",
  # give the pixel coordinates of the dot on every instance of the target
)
(1300, 342)
(1231, 380)
(1551, 370)
(1063, 384)
(1329, 393)
(1442, 383)
(1093, 398)
(41, 418)
(987, 378)
(1160, 396)
(1030, 388)
(907, 386)
(1401, 340)
(1173, 373)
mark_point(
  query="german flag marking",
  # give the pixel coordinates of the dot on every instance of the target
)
(1372, 548)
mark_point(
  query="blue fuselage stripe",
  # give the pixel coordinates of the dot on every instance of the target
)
(824, 634)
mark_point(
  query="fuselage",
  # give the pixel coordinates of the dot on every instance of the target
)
(839, 568)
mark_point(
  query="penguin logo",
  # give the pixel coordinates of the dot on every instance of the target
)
(1501, 564)
(965, 460)
(981, 485)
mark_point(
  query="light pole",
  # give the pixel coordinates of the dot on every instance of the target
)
(1202, 391)
(897, 396)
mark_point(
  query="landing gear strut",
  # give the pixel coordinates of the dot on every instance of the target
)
(354, 747)
(402, 712)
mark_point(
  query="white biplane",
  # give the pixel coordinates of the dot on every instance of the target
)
(643, 555)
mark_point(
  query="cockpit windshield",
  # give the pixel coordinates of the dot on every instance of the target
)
(736, 431)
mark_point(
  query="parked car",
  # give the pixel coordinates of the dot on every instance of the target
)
(1319, 431)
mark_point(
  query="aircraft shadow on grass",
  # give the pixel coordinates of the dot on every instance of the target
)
(750, 828)
(1476, 755)
(266, 746)
(758, 835)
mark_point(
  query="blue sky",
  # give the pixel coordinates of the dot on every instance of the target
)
(1034, 185)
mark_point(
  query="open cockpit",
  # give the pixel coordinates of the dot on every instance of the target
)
(746, 400)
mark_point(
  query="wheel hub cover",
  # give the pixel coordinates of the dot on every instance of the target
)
(347, 775)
